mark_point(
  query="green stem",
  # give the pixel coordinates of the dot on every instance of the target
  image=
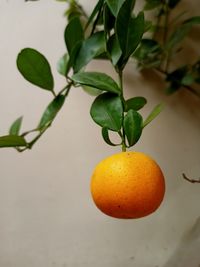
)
(120, 73)
(121, 82)
(30, 144)
(28, 132)
(54, 94)
(95, 22)
(123, 147)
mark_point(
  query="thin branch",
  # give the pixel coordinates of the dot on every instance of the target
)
(192, 90)
(96, 21)
(191, 180)
(189, 88)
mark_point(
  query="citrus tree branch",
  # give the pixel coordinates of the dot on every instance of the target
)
(191, 180)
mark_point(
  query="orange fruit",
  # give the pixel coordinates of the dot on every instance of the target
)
(127, 185)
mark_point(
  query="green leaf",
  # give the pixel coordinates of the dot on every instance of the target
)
(73, 33)
(98, 80)
(115, 6)
(192, 21)
(129, 30)
(12, 141)
(62, 64)
(35, 68)
(123, 21)
(133, 126)
(188, 79)
(154, 113)
(108, 20)
(94, 12)
(107, 111)
(91, 90)
(15, 127)
(114, 49)
(178, 35)
(51, 111)
(73, 57)
(106, 137)
(147, 48)
(90, 48)
(151, 4)
(181, 32)
(148, 25)
(135, 103)
(148, 53)
(175, 79)
(72, 11)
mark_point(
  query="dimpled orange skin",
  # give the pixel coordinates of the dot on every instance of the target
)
(128, 185)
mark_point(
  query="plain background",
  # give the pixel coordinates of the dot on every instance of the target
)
(47, 217)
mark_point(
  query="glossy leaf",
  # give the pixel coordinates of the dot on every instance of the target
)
(73, 57)
(107, 111)
(135, 103)
(91, 90)
(90, 48)
(115, 6)
(98, 80)
(133, 126)
(35, 68)
(129, 30)
(12, 141)
(73, 33)
(106, 138)
(154, 113)
(108, 20)
(51, 111)
(123, 21)
(114, 49)
(62, 64)
(15, 127)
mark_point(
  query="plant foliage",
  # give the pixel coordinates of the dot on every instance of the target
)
(114, 32)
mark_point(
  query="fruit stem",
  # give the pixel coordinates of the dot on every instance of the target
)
(123, 147)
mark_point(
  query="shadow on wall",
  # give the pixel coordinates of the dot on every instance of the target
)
(187, 253)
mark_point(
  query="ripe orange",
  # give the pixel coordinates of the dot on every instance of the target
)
(128, 185)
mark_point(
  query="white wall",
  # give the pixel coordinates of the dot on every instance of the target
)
(47, 218)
